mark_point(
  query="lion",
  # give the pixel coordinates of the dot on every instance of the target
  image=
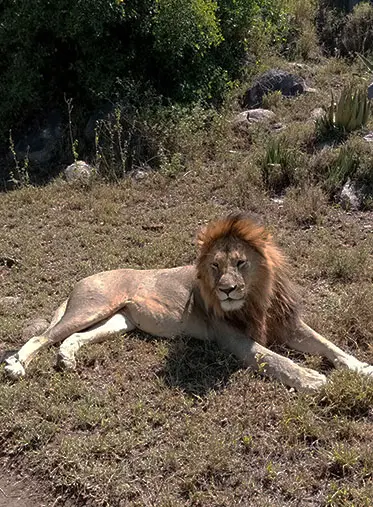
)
(238, 293)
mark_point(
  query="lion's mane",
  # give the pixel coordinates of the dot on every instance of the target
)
(271, 306)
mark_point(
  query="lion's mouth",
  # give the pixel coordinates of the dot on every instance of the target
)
(223, 296)
(231, 304)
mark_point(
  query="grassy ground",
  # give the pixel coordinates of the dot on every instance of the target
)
(149, 422)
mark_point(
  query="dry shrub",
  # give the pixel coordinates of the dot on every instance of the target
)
(305, 206)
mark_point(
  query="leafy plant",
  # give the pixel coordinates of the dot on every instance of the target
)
(278, 165)
(351, 112)
(343, 168)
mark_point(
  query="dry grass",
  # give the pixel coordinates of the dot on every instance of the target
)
(149, 422)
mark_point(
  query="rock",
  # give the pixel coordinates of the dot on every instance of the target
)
(317, 113)
(351, 198)
(370, 91)
(34, 328)
(369, 137)
(260, 115)
(9, 301)
(138, 174)
(273, 80)
(42, 141)
(241, 118)
(79, 171)
(251, 117)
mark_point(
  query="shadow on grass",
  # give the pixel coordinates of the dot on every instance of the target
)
(197, 367)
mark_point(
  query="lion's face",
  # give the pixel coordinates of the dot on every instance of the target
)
(231, 268)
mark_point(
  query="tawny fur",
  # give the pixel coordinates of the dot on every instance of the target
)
(272, 305)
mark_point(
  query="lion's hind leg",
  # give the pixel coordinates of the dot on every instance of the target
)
(16, 364)
(306, 340)
(95, 334)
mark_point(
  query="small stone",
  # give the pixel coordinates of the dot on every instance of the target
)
(139, 175)
(260, 115)
(369, 137)
(9, 301)
(79, 171)
(278, 126)
(317, 113)
(351, 199)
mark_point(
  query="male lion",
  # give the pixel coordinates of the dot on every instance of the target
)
(238, 294)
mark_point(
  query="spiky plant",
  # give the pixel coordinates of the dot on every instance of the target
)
(278, 165)
(350, 113)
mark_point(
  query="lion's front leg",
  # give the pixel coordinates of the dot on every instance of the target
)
(15, 365)
(269, 363)
(305, 339)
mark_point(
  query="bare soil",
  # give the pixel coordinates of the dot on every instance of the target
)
(21, 492)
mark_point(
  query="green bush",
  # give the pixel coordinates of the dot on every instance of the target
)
(342, 33)
(357, 36)
(183, 50)
(330, 19)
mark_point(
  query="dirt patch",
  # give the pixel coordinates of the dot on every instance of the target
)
(21, 492)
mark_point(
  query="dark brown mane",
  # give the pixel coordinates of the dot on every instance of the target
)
(271, 305)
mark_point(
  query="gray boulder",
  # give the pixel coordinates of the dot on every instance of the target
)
(317, 113)
(273, 80)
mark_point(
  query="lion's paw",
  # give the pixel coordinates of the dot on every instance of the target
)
(311, 381)
(14, 368)
(66, 362)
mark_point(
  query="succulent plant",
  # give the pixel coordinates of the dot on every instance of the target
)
(351, 112)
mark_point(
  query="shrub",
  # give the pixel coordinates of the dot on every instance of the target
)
(301, 37)
(329, 24)
(357, 35)
(305, 206)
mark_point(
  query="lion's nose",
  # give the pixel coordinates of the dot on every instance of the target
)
(228, 289)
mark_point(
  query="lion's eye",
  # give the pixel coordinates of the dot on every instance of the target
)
(241, 264)
(215, 265)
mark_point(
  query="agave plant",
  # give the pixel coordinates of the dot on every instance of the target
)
(351, 112)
